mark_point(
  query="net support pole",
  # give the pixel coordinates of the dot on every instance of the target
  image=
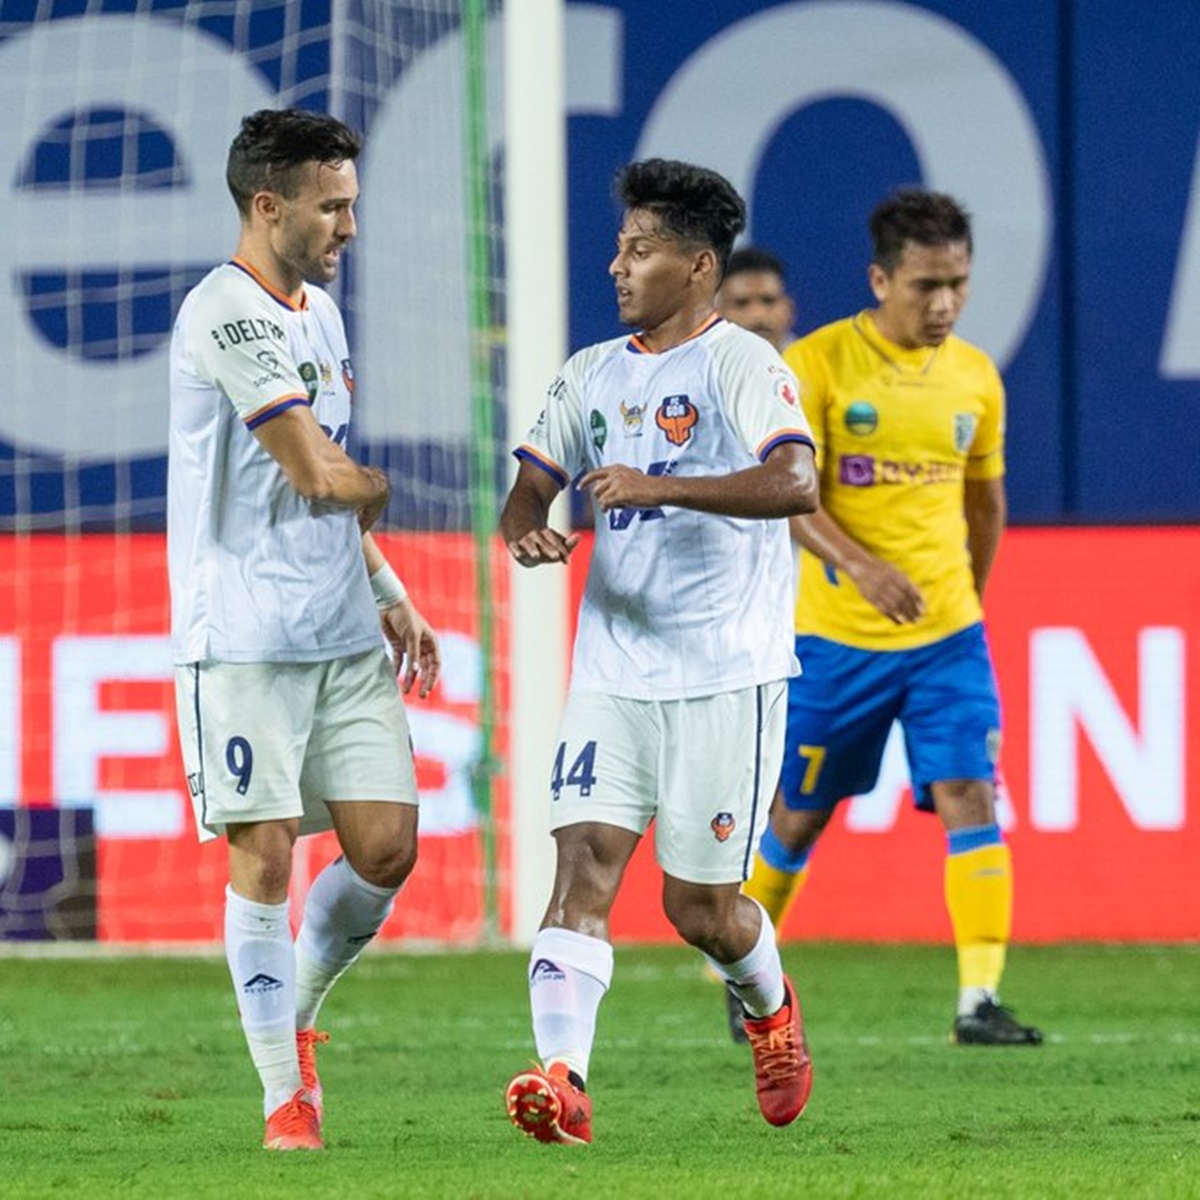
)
(535, 236)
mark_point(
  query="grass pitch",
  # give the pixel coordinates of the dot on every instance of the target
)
(128, 1077)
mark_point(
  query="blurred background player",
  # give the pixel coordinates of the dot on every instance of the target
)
(692, 446)
(290, 718)
(754, 295)
(909, 423)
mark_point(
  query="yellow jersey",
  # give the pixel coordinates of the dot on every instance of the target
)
(897, 433)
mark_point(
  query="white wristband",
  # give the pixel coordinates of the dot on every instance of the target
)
(387, 588)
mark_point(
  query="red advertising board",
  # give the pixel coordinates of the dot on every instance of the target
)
(87, 718)
(1094, 647)
(1099, 668)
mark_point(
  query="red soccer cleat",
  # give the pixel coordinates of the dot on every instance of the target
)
(782, 1065)
(548, 1106)
(294, 1125)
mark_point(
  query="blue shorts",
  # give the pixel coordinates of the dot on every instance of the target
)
(841, 709)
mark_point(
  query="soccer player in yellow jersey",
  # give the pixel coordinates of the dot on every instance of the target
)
(909, 425)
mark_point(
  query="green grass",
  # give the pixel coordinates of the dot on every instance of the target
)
(128, 1077)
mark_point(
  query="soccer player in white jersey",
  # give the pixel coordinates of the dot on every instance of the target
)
(689, 439)
(290, 717)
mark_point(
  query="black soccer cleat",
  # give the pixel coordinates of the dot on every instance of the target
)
(992, 1024)
(737, 1018)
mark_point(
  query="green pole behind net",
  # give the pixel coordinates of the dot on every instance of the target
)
(477, 169)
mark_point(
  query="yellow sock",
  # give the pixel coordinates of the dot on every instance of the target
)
(979, 892)
(774, 889)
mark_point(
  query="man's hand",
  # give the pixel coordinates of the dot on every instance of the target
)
(619, 486)
(544, 545)
(415, 647)
(889, 590)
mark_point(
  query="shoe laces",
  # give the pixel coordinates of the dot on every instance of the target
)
(297, 1116)
(776, 1054)
(307, 1041)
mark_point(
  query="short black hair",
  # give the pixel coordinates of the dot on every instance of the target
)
(694, 204)
(273, 143)
(752, 258)
(916, 215)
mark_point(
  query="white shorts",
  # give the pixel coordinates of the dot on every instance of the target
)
(271, 741)
(704, 769)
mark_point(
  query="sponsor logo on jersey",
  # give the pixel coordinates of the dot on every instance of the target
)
(676, 417)
(722, 826)
(865, 470)
(308, 372)
(326, 370)
(259, 984)
(268, 360)
(964, 431)
(348, 374)
(632, 416)
(248, 329)
(545, 971)
(599, 428)
(862, 418)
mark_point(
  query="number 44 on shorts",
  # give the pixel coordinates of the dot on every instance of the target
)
(581, 774)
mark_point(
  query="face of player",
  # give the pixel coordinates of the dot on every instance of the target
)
(921, 299)
(656, 276)
(758, 301)
(313, 227)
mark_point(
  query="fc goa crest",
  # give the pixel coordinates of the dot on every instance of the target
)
(675, 417)
(722, 826)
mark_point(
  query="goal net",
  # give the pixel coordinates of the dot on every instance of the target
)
(117, 121)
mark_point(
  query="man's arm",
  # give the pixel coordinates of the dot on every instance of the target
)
(523, 522)
(881, 584)
(319, 469)
(985, 506)
(782, 486)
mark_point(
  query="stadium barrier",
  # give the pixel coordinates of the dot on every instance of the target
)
(1092, 631)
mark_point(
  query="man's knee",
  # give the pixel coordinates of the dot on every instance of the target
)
(386, 864)
(702, 916)
(798, 829)
(961, 803)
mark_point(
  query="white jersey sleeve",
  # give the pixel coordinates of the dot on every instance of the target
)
(761, 393)
(243, 350)
(559, 440)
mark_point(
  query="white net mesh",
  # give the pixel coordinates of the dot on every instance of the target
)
(118, 118)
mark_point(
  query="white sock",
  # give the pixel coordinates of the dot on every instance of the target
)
(569, 973)
(757, 979)
(969, 999)
(342, 913)
(262, 962)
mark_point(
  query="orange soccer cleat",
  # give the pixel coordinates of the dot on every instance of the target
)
(782, 1065)
(550, 1106)
(294, 1125)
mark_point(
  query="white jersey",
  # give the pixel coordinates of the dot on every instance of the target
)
(258, 573)
(678, 603)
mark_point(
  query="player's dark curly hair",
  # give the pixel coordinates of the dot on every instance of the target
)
(694, 204)
(273, 143)
(916, 215)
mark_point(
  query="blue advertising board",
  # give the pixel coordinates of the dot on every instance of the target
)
(1068, 129)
